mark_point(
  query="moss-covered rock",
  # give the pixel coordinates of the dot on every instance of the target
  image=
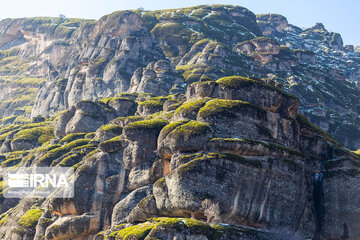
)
(107, 132)
(211, 176)
(159, 228)
(190, 109)
(10, 162)
(123, 106)
(113, 145)
(229, 109)
(57, 152)
(90, 135)
(183, 136)
(251, 90)
(149, 107)
(250, 147)
(86, 117)
(71, 137)
(123, 121)
(226, 116)
(30, 218)
(141, 130)
(72, 226)
(29, 138)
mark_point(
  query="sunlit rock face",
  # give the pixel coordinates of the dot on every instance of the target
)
(50, 64)
(181, 124)
(328, 63)
(232, 158)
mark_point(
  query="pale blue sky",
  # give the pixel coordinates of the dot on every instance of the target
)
(337, 15)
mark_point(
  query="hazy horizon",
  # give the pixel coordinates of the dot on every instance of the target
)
(337, 16)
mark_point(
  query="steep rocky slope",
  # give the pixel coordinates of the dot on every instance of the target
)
(232, 151)
(30, 48)
(167, 141)
(161, 52)
(327, 80)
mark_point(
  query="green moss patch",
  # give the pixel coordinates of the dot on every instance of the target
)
(4, 219)
(111, 128)
(228, 108)
(71, 160)
(71, 137)
(142, 230)
(57, 152)
(236, 82)
(161, 115)
(151, 103)
(29, 81)
(38, 135)
(139, 231)
(113, 145)
(192, 106)
(11, 162)
(170, 127)
(90, 135)
(150, 228)
(110, 100)
(191, 129)
(9, 119)
(30, 218)
(156, 124)
(140, 130)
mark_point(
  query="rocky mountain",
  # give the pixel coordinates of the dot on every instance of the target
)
(49, 64)
(181, 124)
(328, 84)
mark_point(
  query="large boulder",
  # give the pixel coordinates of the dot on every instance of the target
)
(73, 227)
(183, 136)
(123, 106)
(98, 182)
(157, 78)
(63, 120)
(254, 91)
(228, 182)
(123, 208)
(142, 136)
(255, 122)
(88, 117)
(272, 24)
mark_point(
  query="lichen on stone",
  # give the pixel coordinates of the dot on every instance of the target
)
(30, 218)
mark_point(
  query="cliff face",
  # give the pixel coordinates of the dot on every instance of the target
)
(161, 52)
(118, 52)
(233, 151)
(326, 79)
(166, 141)
(30, 48)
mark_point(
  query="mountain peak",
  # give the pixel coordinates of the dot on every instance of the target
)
(318, 26)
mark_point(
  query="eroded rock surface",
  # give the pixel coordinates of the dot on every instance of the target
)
(235, 152)
(166, 144)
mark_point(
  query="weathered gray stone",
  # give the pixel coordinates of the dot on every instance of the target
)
(123, 208)
(212, 177)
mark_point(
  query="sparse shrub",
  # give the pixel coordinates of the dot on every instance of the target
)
(211, 211)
